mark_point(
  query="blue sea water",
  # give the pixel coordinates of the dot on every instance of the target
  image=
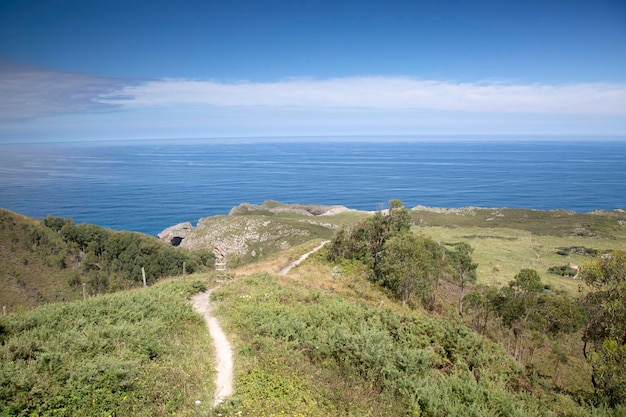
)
(147, 186)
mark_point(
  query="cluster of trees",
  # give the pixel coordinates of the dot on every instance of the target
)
(529, 312)
(407, 264)
(526, 309)
(110, 260)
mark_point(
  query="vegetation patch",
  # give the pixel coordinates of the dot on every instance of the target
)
(55, 260)
(333, 356)
(140, 353)
(579, 250)
(563, 271)
(540, 222)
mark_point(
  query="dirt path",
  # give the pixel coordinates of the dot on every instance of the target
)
(301, 259)
(223, 351)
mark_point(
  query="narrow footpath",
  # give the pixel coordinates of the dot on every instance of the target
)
(301, 259)
(223, 351)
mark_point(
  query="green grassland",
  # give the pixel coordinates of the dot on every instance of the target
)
(507, 240)
(138, 352)
(311, 343)
(502, 252)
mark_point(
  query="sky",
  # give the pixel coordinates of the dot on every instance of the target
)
(118, 70)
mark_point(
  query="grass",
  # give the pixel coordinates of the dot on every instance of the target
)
(141, 353)
(40, 264)
(509, 250)
(539, 222)
(310, 344)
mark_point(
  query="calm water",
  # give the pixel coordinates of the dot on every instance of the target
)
(146, 187)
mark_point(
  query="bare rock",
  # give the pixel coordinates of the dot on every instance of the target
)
(174, 235)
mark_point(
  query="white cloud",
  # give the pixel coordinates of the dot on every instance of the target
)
(380, 93)
(32, 93)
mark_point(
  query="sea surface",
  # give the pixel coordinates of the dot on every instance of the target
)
(147, 186)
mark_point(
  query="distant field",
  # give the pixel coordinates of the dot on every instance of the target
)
(509, 250)
(506, 240)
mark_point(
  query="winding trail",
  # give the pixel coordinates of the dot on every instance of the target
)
(301, 259)
(223, 351)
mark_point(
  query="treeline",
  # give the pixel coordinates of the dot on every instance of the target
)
(526, 314)
(107, 260)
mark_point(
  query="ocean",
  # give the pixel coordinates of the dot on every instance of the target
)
(147, 186)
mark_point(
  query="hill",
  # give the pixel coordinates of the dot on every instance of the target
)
(53, 260)
(329, 338)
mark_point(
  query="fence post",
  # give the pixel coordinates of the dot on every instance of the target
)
(184, 269)
(84, 291)
(143, 276)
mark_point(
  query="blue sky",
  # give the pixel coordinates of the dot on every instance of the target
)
(114, 70)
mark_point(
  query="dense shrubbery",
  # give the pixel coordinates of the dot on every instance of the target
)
(525, 306)
(528, 314)
(111, 260)
(563, 270)
(393, 362)
(139, 353)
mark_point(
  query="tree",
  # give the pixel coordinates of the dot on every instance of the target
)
(411, 265)
(519, 306)
(464, 269)
(483, 300)
(365, 240)
(55, 223)
(604, 338)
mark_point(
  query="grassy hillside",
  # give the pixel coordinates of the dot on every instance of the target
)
(311, 343)
(306, 344)
(607, 224)
(256, 232)
(314, 342)
(53, 259)
(507, 240)
(31, 266)
(139, 353)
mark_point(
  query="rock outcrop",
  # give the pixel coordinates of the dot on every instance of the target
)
(174, 235)
(251, 231)
(249, 235)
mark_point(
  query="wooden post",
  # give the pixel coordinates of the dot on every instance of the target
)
(84, 291)
(4, 310)
(184, 269)
(143, 275)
